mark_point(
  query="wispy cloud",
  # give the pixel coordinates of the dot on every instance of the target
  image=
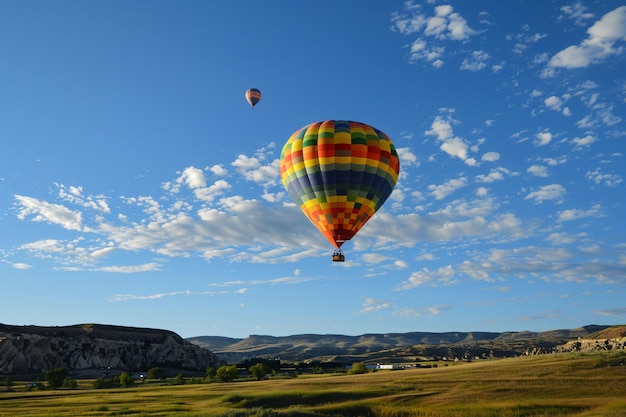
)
(600, 44)
(371, 305)
(159, 296)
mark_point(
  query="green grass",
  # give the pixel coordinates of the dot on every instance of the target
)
(581, 385)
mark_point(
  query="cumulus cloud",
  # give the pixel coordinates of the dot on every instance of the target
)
(192, 177)
(74, 195)
(577, 12)
(375, 258)
(444, 25)
(557, 104)
(441, 276)
(584, 142)
(538, 171)
(542, 138)
(42, 211)
(443, 190)
(497, 174)
(210, 193)
(441, 128)
(476, 62)
(372, 304)
(490, 157)
(422, 50)
(253, 170)
(601, 43)
(575, 214)
(131, 269)
(407, 157)
(547, 192)
(599, 177)
(219, 170)
(520, 262)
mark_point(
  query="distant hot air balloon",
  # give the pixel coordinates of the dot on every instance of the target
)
(339, 173)
(253, 96)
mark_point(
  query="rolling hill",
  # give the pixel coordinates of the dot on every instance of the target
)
(391, 346)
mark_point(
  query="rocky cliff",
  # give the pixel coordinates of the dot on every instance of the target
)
(35, 349)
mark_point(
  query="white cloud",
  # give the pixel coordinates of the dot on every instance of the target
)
(131, 269)
(490, 157)
(158, 296)
(553, 103)
(442, 128)
(458, 28)
(584, 142)
(102, 252)
(612, 312)
(598, 177)
(547, 192)
(542, 138)
(192, 177)
(253, 170)
(496, 174)
(599, 45)
(445, 25)
(447, 188)
(575, 214)
(42, 211)
(74, 195)
(578, 12)
(477, 61)
(408, 24)
(538, 171)
(421, 50)
(371, 304)
(437, 25)
(375, 258)
(407, 157)
(441, 276)
(219, 170)
(218, 188)
(454, 146)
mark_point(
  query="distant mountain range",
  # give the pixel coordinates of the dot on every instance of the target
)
(91, 349)
(390, 347)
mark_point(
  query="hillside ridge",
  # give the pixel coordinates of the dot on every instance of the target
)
(391, 346)
(92, 348)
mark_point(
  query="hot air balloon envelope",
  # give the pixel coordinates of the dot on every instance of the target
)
(253, 96)
(339, 173)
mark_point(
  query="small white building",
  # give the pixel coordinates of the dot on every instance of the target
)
(389, 366)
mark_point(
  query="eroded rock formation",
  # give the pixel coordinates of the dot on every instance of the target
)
(31, 349)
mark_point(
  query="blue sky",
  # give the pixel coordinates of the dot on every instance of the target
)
(138, 188)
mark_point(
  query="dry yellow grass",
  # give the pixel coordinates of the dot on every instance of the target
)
(582, 385)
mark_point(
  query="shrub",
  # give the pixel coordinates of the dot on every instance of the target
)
(227, 373)
(125, 379)
(55, 377)
(156, 373)
(259, 371)
(358, 368)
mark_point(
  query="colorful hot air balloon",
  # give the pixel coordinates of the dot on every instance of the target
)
(340, 173)
(253, 96)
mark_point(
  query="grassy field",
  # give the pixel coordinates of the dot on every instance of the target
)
(583, 385)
